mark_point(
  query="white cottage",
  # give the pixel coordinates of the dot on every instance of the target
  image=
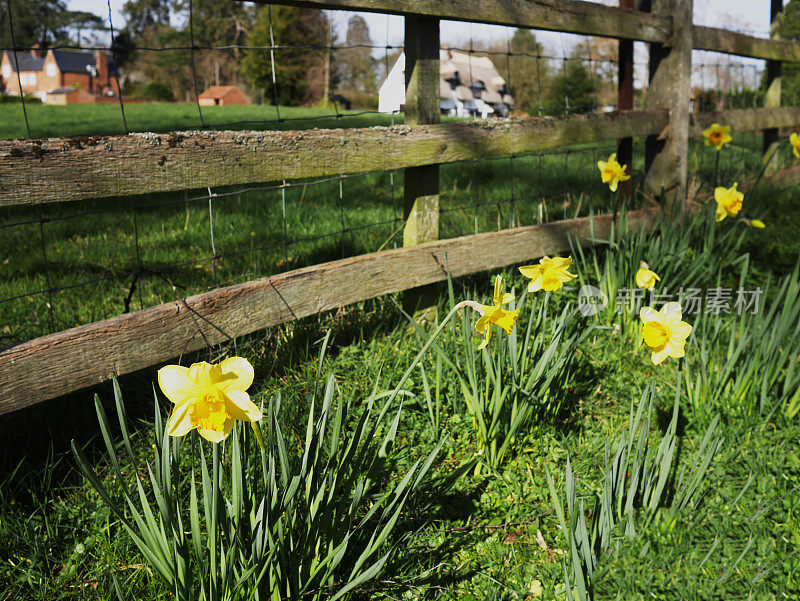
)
(469, 86)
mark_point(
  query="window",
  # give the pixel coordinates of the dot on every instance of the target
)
(32, 79)
(51, 70)
(23, 79)
(7, 71)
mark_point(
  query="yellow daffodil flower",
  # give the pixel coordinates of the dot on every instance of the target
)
(611, 172)
(549, 274)
(645, 278)
(794, 140)
(208, 397)
(664, 332)
(717, 135)
(729, 201)
(757, 223)
(495, 314)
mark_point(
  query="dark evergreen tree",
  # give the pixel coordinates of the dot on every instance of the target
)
(300, 69)
(572, 90)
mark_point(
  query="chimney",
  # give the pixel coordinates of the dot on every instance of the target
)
(101, 66)
(36, 51)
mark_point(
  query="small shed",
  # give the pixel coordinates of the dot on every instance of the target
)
(223, 96)
(69, 95)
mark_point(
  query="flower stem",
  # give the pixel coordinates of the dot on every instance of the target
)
(428, 344)
(257, 431)
(716, 169)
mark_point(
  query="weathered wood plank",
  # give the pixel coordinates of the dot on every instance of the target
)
(742, 120)
(58, 169)
(731, 42)
(572, 16)
(60, 363)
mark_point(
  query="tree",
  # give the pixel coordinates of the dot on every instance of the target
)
(603, 58)
(354, 63)
(299, 70)
(526, 74)
(43, 23)
(572, 90)
(216, 24)
(141, 14)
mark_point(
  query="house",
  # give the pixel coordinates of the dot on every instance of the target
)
(38, 75)
(222, 96)
(469, 85)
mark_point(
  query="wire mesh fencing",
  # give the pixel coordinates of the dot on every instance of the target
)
(72, 264)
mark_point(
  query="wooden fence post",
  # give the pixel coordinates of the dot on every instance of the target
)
(773, 96)
(666, 155)
(421, 184)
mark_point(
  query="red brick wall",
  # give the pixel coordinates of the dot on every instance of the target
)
(81, 80)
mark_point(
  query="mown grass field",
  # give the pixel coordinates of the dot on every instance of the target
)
(491, 535)
(48, 121)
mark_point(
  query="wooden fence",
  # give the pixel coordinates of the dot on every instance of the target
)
(35, 172)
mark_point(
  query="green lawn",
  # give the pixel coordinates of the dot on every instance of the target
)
(492, 535)
(48, 121)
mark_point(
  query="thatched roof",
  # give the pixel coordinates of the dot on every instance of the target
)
(467, 70)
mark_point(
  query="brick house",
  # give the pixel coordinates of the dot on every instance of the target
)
(92, 72)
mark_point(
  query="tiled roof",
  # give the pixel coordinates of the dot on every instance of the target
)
(217, 91)
(25, 61)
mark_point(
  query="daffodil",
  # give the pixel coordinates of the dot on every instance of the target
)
(611, 172)
(208, 397)
(794, 140)
(645, 278)
(495, 314)
(549, 275)
(717, 135)
(664, 332)
(729, 201)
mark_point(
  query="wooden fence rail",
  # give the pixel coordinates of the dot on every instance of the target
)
(35, 172)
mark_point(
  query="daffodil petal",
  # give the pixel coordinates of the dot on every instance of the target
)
(530, 271)
(487, 336)
(648, 314)
(506, 298)
(242, 369)
(680, 330)
(658, 356)
(180, 423)
(676, 349)
(562, 262)
(671, 313)
(176, 384)
(721, 213)
(241, 407)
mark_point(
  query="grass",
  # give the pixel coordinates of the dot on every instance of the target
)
(491, 535)
(48, 121)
